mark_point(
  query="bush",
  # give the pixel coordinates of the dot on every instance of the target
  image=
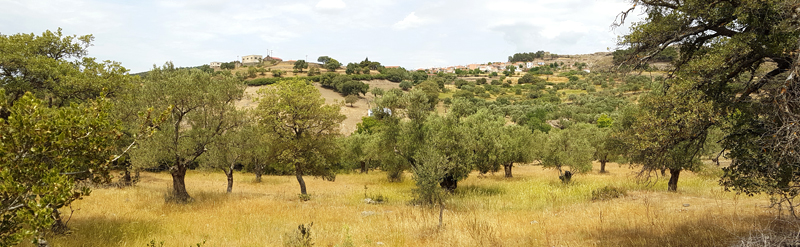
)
(350, 99)
(608, 193)
(406, 85)
(262, 81)
(300, 238)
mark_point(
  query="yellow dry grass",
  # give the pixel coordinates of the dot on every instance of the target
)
(531, 209)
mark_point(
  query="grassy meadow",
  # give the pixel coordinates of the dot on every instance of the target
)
(531, 209)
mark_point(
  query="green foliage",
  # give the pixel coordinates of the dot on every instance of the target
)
(352, 68)
(604, 121)
(353, 88)
(427, 176)
(511, 69)
(526, 56)
(58, 129)
(530, 78)
(194, 99)
(277, 73)
(228, 65)
(350, 99)
(251, 72)
(324, 59)
(314, 71)
(262, 81)
(45, 152)
(343, 84)
(406, 85)
(55, 68)
(332, 65)
(306, 128)
(300, 65)
(376, 91)
(568, 147)
(396, 74)
(419, 76)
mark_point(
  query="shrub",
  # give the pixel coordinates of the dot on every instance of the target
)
(608, 193)
(406, 85)
(300, 238)
(350, 99)
(262, 81)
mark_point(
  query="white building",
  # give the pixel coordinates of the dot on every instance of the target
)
(215, 65)
(251, 59)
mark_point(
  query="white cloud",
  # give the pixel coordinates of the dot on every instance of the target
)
(194, 32)
(411, 21)
(331, 6)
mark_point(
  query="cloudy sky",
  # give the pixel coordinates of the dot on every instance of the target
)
(413, 34)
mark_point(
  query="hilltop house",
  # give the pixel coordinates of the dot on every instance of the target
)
(251, 60)
(268, 58)
(215, 65)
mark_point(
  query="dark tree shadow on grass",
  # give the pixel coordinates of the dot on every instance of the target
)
(706, 231)
(103, 231)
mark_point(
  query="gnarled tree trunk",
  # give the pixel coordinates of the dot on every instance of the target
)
(179, 193)
(363, 166)
(126, 179)
(507, 168)
(58, 227)
(673, 179)
(603, 166)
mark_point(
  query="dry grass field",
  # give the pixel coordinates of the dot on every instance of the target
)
(531, 209)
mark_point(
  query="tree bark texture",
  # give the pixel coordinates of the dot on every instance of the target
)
(299, 175)
(229, 174)
(363, 166)
(673, 179)
(126, 178)
(507, 168)
(258, 176)
(178, 183)
(603, 166)
(58, 227)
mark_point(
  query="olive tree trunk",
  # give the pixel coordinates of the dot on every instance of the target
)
(299, 174)
(229, 174)
(179, 193)
(603, 166)
(507, 168)
(673, 179)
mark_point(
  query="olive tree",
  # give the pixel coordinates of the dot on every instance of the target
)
(305, 128)
(57, 128)
(737, 58)
(200, 107)
(570, 148)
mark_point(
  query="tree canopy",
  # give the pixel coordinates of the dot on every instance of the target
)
(305, 128)
(733, 64)
(200, 106)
